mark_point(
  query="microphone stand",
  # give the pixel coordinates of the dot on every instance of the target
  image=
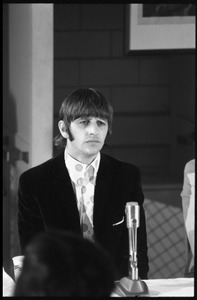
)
(132, 285)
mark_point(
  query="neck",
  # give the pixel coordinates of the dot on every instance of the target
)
(83, 159)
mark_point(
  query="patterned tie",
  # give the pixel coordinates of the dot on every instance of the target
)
(86, 202)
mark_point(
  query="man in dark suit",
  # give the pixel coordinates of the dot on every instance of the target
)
(82, 190)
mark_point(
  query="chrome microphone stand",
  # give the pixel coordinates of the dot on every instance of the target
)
(132, 285)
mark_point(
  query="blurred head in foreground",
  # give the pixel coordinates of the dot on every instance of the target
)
(59, 263)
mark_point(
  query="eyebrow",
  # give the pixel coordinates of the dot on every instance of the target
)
(90, 117)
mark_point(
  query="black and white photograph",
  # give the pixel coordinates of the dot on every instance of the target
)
(98, 149)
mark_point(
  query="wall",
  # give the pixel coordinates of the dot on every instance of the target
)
(183, 97)
(29, 89)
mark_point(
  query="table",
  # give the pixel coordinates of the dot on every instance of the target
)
(182, 287)
(172, 287)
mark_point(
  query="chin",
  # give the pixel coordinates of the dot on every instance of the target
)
(93, 151)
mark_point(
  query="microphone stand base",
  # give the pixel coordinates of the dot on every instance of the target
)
(127, 287)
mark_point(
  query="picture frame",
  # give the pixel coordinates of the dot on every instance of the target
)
(153, 30)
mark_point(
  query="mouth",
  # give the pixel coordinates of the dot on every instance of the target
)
(93, 141)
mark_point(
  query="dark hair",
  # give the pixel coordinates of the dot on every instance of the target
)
(86, 102)
(59, 263)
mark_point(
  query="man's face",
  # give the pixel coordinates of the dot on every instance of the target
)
(88, 138)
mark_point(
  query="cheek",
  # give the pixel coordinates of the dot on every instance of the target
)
(104, 133)
(77, 134)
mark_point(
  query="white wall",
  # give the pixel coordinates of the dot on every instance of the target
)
(27, 103)
(31, 79)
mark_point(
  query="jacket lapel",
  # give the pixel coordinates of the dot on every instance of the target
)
(103, 193)
(63, 185)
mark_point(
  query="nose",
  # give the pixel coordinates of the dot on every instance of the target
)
(93, 128)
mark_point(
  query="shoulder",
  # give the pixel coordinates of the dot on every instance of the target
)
(119, 165)
(41, 171)
(190, 167)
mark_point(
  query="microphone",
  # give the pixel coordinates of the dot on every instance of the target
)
(133, 221)
(132, 212)
(132, 285)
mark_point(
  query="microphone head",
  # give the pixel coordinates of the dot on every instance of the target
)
(132, 211)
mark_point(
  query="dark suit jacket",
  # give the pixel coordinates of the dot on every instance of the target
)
(46, 200)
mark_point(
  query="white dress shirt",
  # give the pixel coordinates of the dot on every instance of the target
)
(76, 171)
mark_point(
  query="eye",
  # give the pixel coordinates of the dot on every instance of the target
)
(101, 123)
(84, 122)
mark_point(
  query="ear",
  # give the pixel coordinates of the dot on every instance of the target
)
(62, 129)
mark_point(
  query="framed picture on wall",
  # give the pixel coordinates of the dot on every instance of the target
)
(160, 26)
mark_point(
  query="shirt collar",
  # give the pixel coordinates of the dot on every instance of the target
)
(71, 164)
